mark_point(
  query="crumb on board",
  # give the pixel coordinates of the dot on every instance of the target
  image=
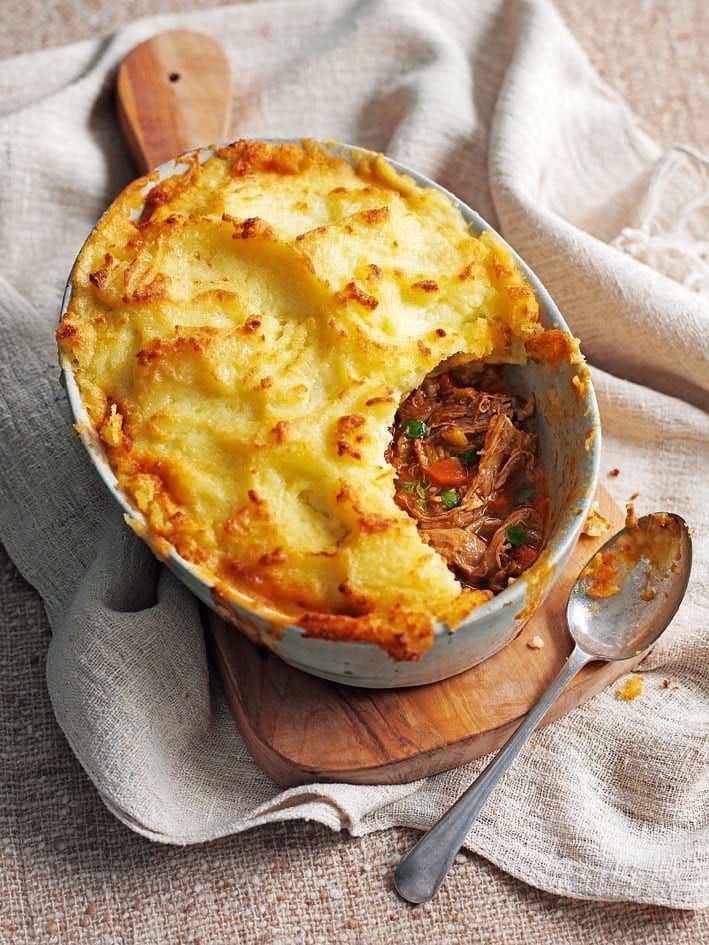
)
(665, 684)
(631, 688)
(536, 643)
(595, 524)
(614, 473)
(634, 496)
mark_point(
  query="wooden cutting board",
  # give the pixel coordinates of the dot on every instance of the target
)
(173, 94)
(301, 729)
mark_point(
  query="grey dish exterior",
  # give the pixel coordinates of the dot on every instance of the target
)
(568, 425)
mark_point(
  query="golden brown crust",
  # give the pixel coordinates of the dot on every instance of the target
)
(352, 292)
(404, 635)
(554, 347)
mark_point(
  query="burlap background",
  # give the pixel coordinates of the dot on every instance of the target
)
(72, 873)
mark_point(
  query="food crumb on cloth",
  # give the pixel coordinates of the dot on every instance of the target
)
(631, 688)
(613, 473)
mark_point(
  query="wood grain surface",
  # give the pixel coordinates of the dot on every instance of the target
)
(173, 93)
(302, 729)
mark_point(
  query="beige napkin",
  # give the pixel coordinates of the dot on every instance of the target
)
(497, 102)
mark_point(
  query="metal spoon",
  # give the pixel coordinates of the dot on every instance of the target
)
(648, 564)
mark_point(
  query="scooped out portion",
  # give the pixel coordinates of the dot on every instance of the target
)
(468, 473)
(243, 333)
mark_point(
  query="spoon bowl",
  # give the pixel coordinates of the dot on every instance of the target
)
(630, 590)
(619, 606)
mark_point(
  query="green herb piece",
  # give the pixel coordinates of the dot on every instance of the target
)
(414, 487)
(470, 456)
(524, 495)
(516, 535)
(450, 498)
(416, 429)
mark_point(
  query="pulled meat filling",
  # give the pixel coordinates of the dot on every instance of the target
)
(467, 471)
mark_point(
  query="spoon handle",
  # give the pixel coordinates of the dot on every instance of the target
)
(425, 866)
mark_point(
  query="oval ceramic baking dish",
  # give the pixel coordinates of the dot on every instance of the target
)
(569, 434)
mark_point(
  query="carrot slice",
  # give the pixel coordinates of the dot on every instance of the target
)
(447, 472)
(526, 555)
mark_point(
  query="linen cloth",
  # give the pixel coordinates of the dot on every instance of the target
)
(500, 105)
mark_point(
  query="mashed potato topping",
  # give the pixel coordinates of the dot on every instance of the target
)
(242, 339)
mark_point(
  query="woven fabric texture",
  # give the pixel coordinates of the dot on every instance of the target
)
(600, 807)
(71, 873)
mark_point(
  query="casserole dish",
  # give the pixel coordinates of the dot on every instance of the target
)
(567, 426)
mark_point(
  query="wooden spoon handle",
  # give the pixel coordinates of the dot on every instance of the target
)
(173, 94)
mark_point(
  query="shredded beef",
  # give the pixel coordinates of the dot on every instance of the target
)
(467, 471)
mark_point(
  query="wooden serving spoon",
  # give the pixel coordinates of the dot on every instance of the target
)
(173, 93)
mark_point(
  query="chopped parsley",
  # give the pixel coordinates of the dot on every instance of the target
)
(450, 498)
(415, 487)
(416, 429)
(470, 456)
(524, 495)
(516, 535)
